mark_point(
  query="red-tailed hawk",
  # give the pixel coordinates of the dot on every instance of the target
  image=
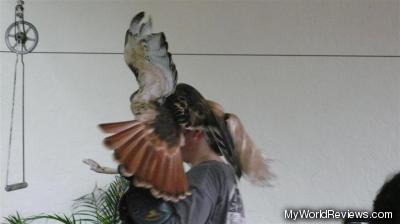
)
(149, 146)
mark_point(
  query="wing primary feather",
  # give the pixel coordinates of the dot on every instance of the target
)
(172, 176)
(134, 26)
(117, 126)
(120, 138)
(122, 152)
(135, 157)
(154, 167)
(145, 29)
(158, 177)
(166, 172)
(144, 163)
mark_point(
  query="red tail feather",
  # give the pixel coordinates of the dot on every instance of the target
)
(155, 164)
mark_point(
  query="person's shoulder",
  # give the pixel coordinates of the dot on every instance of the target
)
(212, 170)
(217, 166)
(211, 166)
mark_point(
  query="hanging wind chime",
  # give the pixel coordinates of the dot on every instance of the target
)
(21, 38)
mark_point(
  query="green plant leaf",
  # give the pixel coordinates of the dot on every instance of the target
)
(60, 218)
(14, 219)
(101, 206)
(98, 207)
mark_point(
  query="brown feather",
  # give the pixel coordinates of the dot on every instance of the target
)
(217, 109)
(174, 177)
(122, 152)
(144, 163)
(153, 167)
(117, 126)
(134, 158)
(156, 163)
(158, 175)
(169, 185)
(166, 177)
(252, 160)
(120, 138)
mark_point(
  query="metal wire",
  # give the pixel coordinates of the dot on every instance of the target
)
(225, 54)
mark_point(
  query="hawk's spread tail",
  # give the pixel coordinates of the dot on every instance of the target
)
(156, 164)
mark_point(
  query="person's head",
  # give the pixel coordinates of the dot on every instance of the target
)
(388, 200)
(196, 147)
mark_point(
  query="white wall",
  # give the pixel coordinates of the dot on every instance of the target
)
(331, 124)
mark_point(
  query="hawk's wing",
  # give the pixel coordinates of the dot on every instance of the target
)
(147, 55)
(149, 147)
(246, 155)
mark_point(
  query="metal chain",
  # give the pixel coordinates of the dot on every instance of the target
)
(12, 119)
(23, 117)
(23, 91)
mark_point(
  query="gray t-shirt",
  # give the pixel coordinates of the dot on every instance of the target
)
(215, 197)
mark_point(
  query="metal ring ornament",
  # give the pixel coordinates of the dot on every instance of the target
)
(18, 39)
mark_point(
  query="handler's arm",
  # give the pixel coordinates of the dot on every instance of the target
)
(195, 209)
(99, 169)
(143, 208)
